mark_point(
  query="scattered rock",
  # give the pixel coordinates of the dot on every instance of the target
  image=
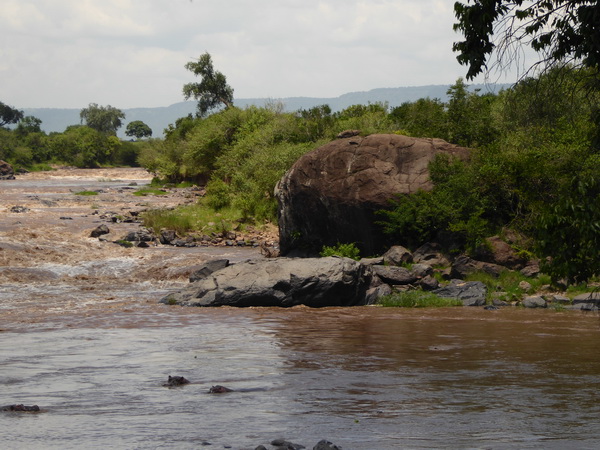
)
(464, 266)
(176, 381)
(431, 253)
(99, 231)
(326, 445)
(429, 283)
(19, 209)
(218, 389)
(21, 408)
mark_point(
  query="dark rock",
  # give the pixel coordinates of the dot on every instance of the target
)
(218, 389)
(19, 209)
(326, 445)
(167, 236)
(261, 447)
(333, 193)
(472, 293)
(176, 381)
(315, 282)
(394, 275)
(139, 236)
(282, 444)
(209, 267)
(491, 308)
(6, 171)
(99, 231)
(397, 255)
(587, 302)
(21, 408)
(65, 218)
(429, 283)
(464, 266)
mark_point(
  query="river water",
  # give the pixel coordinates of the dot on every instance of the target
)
(89, 344)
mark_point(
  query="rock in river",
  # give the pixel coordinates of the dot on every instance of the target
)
(315, 282)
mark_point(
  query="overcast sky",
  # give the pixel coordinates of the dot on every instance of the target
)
(131, 53)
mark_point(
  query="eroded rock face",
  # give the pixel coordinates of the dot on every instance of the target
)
(331, 194)
(315, 282)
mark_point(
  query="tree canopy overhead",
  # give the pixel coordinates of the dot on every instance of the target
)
(212, 91)
(565, 31)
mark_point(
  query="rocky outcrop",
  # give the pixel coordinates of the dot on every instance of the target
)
(332, 194)
(315, 282)
(6, 171)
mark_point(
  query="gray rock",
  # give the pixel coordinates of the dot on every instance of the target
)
(534, 301)
(471, 293)
(315, 282)
(209, 267)
(429, 283)
(394, 275)
(421, 270)
(397, 255)
(587, 302)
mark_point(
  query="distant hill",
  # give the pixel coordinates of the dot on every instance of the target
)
(57, 119)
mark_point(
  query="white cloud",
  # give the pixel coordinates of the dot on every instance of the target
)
(131, 53)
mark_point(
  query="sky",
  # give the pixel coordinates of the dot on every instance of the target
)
(132, 53)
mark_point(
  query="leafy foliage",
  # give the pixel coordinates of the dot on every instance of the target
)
(345, 250)
(558, 30)
(9, 115)
(138, 129)
(105, 119)
(212, 90)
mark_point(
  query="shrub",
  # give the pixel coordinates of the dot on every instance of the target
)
(345, 250)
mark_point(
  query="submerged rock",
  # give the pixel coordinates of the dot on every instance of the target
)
(218, 389)
(176, 381)
(21, 408)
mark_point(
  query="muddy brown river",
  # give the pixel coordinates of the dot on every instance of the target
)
(82, 336)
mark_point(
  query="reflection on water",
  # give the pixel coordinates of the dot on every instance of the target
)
(361, 377)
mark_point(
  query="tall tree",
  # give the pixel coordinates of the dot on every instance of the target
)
(138, 129)
(9, 115)
(105, 119)
(560, 31)
(212, 91)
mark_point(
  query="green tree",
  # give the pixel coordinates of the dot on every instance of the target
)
(559, 30)
(105, 119)
(212, 91)
(9, 115)
(138, 129)
(28, 124)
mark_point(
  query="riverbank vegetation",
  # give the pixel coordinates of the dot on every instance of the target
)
(534, 167)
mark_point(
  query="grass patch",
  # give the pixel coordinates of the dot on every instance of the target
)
(192, 218)
(86, 193)
(344, 250)
(149, 191)
(417, 299)
(508, 282)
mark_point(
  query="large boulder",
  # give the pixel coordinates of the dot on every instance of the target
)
(315, 282)
(331, 194)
